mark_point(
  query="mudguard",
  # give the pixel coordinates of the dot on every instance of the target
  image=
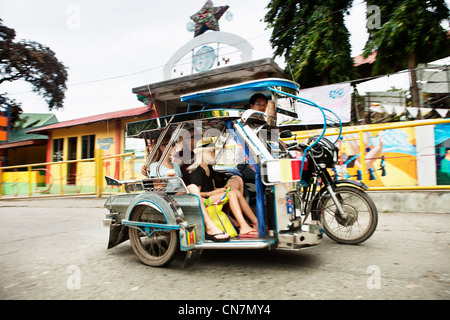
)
(117, 206)
(158, 202)
(359, 184)
(118, 233)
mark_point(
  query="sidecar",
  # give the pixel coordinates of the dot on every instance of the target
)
(160, 221)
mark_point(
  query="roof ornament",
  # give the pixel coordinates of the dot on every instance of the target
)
(207, 18)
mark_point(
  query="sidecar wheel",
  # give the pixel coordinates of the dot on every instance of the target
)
(156, 248)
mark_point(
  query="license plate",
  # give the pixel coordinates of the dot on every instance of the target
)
(290, 204)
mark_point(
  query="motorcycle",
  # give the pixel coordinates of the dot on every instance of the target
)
(348, 214)
(295, 198)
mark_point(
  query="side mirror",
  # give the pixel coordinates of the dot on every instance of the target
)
(286, 134)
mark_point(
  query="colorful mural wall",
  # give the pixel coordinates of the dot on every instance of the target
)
(389, 157)
(394, 157)
(442, 145)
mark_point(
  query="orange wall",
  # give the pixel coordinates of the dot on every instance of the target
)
(3, 121)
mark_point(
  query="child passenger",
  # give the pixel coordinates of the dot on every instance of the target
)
(202, 175)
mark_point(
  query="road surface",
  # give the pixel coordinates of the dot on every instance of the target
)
(56, 249)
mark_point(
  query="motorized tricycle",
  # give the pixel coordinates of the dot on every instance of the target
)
(293, 195)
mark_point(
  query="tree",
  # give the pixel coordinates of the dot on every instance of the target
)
(32, 62)
(313, 39)
(410, 33)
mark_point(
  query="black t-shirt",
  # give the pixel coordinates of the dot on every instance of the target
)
(199, 178)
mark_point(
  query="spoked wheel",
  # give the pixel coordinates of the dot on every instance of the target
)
(360, 217)
(154, 247)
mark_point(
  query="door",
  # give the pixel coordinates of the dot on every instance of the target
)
(72, 155)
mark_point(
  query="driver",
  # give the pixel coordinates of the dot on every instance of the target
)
(257, 102)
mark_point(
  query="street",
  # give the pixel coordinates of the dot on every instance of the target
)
(56, 249)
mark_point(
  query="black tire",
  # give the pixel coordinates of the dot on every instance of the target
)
(158, 248)
(361, 221)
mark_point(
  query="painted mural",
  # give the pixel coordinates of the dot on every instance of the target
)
(389, 157)
(442, 145)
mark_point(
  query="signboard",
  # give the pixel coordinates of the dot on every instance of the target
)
(336, 97)
(204, 59)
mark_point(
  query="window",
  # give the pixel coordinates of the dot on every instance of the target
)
(87, 146)
(58, 149)
(137, 146)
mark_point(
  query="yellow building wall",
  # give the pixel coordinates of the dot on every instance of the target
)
(21, 182)
(108, 138)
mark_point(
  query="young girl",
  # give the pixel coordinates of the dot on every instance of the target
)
(204, 177)
(168, 168)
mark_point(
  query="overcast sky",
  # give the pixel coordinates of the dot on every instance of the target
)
(112, 46)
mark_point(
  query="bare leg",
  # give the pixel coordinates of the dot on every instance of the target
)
(210, 227)
(246, 209)
(235, 206)
(236, 183)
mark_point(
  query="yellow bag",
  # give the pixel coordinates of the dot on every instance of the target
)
(219, 217)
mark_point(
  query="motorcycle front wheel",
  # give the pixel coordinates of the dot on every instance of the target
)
(360, 217)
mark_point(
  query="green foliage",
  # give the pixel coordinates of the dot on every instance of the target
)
(32, 62)
(408, 28)
(313, 38)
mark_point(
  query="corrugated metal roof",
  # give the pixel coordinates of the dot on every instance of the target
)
(91, 119)
(27, 122)
(35, 120)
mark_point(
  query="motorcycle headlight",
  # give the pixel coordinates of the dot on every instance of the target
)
(325, 152)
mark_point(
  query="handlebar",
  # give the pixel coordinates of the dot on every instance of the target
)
(296, 146)
(322, 110)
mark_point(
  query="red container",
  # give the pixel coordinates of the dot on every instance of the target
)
(296, 167)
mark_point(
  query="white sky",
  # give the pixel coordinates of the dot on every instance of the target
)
(99, 39)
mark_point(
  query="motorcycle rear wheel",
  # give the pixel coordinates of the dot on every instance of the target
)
(361, 217)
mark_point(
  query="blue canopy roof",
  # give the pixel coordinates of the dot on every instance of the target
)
(239, 92)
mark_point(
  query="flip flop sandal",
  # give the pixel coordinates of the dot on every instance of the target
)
(213, 237)
(250, 234)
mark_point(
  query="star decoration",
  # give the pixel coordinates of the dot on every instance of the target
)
(208, 18)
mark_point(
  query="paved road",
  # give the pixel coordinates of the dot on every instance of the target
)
(56, 249)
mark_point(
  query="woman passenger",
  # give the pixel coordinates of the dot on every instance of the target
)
(202, 175)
